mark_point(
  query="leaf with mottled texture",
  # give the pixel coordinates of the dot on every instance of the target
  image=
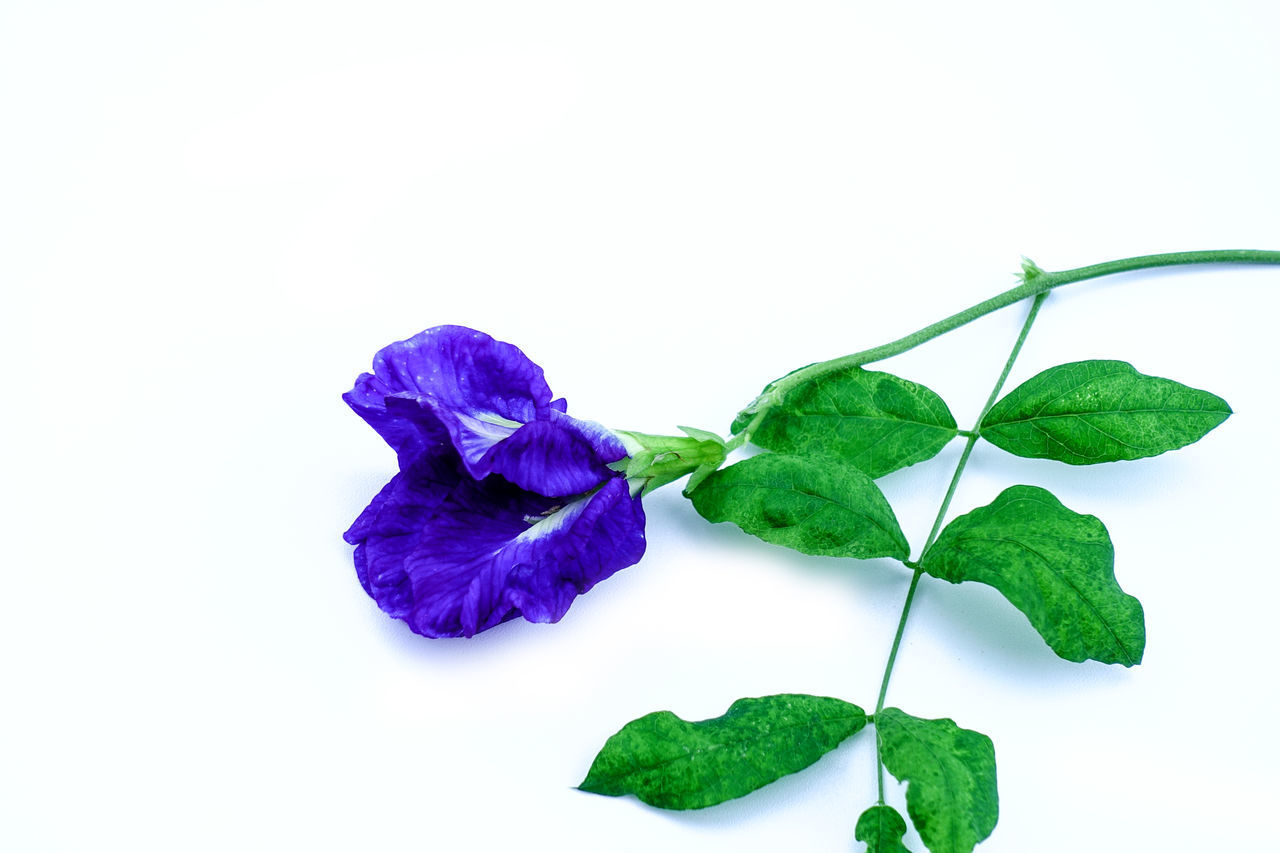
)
(950, 774)
(1054, 565)
(673, 764)
(882, 828)
(874, 421)
(1100, 411)
(830, 510)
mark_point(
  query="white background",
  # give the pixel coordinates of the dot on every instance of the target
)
(214, 214)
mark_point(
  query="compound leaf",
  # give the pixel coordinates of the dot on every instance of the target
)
(950, 774)
(875, 421)
(1100, 411)
(673, 764)
(1054, 565)
(829, 510)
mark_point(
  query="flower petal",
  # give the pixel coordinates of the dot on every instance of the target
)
(606, 535)
(450, 370)
(454, 560)
(393, 520)
(474, 437)
(558, 457)
(403, 423)
(465, 370)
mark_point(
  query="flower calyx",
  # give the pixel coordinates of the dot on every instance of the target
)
(655, 460)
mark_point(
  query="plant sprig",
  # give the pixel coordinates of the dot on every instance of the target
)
(829, 431)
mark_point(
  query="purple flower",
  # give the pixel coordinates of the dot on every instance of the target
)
(504, 505)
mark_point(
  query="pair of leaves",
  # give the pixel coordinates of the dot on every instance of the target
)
(1081, 413)
(1053, 564)
(832, 435)
(836, 432)
(673, 764)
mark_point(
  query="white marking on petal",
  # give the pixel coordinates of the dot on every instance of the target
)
(481, 431)
(553, 520)
(496, 420)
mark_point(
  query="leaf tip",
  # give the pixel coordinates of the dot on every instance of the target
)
(1030, 270)
(592, 785)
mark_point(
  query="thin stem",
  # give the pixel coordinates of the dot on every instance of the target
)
(1008, 365)
(888, 670)
(1035, 282)
(970, 441)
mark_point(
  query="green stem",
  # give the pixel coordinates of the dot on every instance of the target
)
(1035, 282)
(970, 441)
(888, 670)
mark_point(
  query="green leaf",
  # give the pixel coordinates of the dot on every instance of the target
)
(1100, 411)
(874, 421)
(829, 510)
(950, 774)
(1054, 565)
(673, 764)
(882, 828)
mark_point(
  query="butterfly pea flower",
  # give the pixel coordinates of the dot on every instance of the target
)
(504, 505)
